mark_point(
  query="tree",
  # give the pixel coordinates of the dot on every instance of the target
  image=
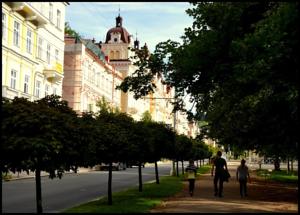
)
(240, 67)
(114, 137)
(183, 149)
(71, 32)
(34, 138)
(161, 140)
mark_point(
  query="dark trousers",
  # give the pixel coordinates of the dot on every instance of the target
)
(220, 179)
(191, 185)
(243, 187)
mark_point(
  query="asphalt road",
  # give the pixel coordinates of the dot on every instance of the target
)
(72, 189)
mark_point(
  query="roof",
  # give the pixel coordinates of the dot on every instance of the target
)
(125, 37)
(94, 48)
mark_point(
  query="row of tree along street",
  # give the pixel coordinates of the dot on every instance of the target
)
(47, 135)
(239, 63)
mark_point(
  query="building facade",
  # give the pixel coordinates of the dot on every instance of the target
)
(32, 49)
(88, 76)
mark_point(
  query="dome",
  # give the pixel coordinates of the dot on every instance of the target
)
(125, 36)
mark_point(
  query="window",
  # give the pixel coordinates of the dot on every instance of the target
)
(51, 12)
(28, 41)
(56, 54)
(26, 83)
(48, 53)
(13, 79)
(46, 90)
(16, 34)
(58, 19)
(3, 26)
(90, 107)
(54, 91)
(40, 48)
(93, 76)
(37, 88)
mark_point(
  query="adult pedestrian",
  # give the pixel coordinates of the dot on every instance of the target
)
(191, 170)
(218, 165)
(242, 173)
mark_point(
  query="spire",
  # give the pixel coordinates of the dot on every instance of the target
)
(119, 19)
(136, 42)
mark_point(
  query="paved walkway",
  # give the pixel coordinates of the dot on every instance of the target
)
(258, 200)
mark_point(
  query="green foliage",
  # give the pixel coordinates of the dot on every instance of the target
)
(105, 106)
(240, 64)
(71, 32)
(36, 135)
(146, 117)
(279, 175)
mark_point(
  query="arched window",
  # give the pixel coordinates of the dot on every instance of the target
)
(117, 55)
(111, 55)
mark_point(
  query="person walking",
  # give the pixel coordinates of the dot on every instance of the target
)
(191, 170)
(242, 173)
(218, 165)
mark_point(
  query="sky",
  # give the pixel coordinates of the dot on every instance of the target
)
(153, 22)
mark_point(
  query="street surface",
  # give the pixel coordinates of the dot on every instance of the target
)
(72, 189)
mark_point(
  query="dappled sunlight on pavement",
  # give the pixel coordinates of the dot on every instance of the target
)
(259, 199)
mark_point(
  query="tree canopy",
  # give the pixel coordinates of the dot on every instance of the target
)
(239, 62)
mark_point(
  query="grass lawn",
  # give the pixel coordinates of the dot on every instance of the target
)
(280, 175)
(133, 201)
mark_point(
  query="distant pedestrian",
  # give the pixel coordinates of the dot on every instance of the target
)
(242, 173)
(191, 170)
(219, 164)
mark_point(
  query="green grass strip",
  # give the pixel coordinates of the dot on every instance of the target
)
(133, 201)
(281, 175)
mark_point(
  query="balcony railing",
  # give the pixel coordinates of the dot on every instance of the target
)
(54, 73)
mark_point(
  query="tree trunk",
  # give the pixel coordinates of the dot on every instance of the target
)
(156, 173)
(140, 178)
(182, 167)
(277, 164)
(39, 206)
(288, 165)
(177, 170)
(109, 192)
(1, 190)
(292, 165)
(197, 164)
(173, 168)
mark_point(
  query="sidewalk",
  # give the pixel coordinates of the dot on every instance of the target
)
(260, 199)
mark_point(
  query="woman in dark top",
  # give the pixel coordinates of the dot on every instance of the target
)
(218, 164)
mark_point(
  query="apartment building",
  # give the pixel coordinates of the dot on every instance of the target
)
(88, 76)
(32, 49)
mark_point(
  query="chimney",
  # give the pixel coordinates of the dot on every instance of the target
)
(93, 40)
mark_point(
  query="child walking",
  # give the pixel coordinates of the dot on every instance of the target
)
(242, 173)
(191, 170)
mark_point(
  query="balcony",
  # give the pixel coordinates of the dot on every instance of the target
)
(54, 73)
(28, 12)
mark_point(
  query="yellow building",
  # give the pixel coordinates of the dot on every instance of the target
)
(32, 49)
